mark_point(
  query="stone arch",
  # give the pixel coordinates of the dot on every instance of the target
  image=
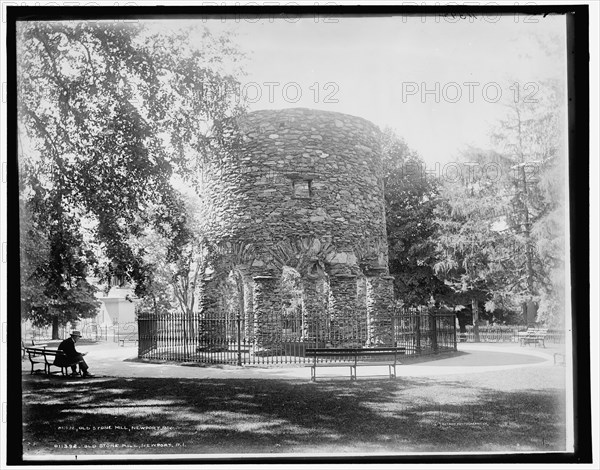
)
(308, 255)
(372, 257)
(291, 303)
(237, 255)
(232, 295)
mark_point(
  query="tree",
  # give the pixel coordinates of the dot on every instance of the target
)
(411, 196)
(107, 115)
(54, 267)
(501, 231)
(531, 139)
(549, 233)
(171, 284)
(471, 239)
(180, 270)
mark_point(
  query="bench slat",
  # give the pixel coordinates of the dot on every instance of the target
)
(533, 335)
(353, 350)
(38, 353)
(349, 357)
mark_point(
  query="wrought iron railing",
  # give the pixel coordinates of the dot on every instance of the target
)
(490, 334)
(175, 336)
(90, 331)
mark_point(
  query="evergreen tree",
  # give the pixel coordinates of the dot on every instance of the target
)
(501, 228)
(532, 139)
(470, 233)
(411, 196)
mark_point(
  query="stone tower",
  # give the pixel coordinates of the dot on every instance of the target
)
(305, 191)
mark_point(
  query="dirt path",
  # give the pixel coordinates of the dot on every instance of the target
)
(109, 359)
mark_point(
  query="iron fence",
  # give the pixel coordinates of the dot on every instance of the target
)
(37, 334)
(422, 332)
(116, 333)
(90, 331)
(507, 335)
(229, 339)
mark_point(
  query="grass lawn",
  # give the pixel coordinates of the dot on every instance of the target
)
(515, 410)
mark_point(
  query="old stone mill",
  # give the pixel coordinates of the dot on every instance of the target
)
(296, 250)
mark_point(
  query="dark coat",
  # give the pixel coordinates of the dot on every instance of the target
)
(72, 356)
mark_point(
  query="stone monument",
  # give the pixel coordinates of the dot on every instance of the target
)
(303, 189)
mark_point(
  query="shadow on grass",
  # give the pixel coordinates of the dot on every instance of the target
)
(154, 415)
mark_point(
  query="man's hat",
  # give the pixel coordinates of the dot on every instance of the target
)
(75, 333)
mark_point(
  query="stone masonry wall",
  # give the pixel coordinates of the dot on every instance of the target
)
(303, 190)
(250, 196)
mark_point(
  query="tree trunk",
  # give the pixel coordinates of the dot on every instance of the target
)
(531, 313)
(525, 201)
(527, 233)
(475, 309)
(55, 327)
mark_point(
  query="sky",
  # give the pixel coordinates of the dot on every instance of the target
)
(438, 82)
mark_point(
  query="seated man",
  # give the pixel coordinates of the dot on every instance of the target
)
(72, 356)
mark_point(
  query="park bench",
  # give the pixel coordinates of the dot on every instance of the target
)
(353, 357)
(23, 348)
(32, 345)
(36, 356)
(42, 355)
(533, 335)
(559, 359)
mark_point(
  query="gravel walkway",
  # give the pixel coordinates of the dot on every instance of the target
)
(109, 359)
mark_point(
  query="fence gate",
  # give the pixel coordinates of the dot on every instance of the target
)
(421, 331)
(147, 335)
(227, 339)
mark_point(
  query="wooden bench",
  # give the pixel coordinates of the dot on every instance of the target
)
(32, 345)
(36, 356)
(353, 357)
(42, 355)
(533, 335)
(23, 347)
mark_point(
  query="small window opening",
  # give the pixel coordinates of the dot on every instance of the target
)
(302, 189)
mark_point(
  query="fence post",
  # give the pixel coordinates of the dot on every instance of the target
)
(418, 328)
(454, 330)
(433, 325)
(140, 326)
(239, 338)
